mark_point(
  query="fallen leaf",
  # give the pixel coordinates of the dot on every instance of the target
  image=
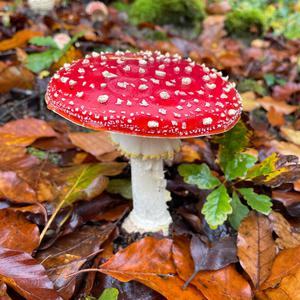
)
(3, 291)
(225, 284)
(19, 39)
(291, 200)
(285, 148)
(71, 55)
(267, 103)
(95, 143)
(9, 153)
(256, 248)
(22, 273)
(15, 76)
(291, 135)
(149, 261)
(249, 101)
(275, 117)
(286, 263)
(17, 233)
(24, 132)
(286, 237)
(15, 189)
(283, 92)
(288, 288)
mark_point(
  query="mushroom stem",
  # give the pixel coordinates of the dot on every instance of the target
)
(149, 193)
(150, 212)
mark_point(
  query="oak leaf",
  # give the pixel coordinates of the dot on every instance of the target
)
(256, 248)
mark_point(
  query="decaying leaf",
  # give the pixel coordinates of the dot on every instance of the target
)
(256, 248)
(286, 237)
(291, 135)
(225, 283)
(16, 232)
(286, 263)
(149, 261)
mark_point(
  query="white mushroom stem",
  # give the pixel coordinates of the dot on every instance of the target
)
(150, 212)
(41, 6)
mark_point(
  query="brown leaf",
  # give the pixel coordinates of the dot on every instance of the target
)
(3, 293)
(286, 237)
(21, 272)
(249, 101)
(283, 92)
(289, 288)
(15, 76)
(285, 148)
(95, 143)
(286, 263)
(19, 39)
(24, 132)
(17, 233)
(267, 103)
(275, 117)
(256, 248)
(149, 261)
(291, 135)
(8, 153)
(225, 284)
(13, 188)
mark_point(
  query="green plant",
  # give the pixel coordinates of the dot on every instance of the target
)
(244, 20)
(108, 294)
(37, 62)
(184, 12)
(243, 177)
(251, 85)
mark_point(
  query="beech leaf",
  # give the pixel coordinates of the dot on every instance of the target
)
(217, 207)
(199, 175)
(260, 203)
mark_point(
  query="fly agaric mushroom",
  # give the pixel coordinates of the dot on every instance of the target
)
(148, 101)
(41, 6)
(97, 10)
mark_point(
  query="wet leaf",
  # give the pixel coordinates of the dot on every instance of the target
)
(256, 248)
(286, 237)
(21, 272)
(18, 40)
(217, 207)
(199, 175)
(120, 186)
(225, 284)
(16, 232)
(260, 203)
(286, 263)
(149, 261)
(239, 211)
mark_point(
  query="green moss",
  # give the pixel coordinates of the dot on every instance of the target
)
(242, 21)
(179, 12)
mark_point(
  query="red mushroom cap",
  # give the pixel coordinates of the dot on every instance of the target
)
(144, 94)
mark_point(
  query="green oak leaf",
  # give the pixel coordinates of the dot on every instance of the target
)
(109, 294)
(217, 207)
(120, 186)
(260, 203)
(199, 175)
(239, 211)
(238, 165)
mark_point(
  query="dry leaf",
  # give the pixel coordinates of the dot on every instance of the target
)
(275, 117)
(225, 284)
(286, 237)
(285, 148)
(19, 39)
(291, 135)
(268, 102)
(149, 261)
(249, 101)
(256, 248)
(289, 288)
(285, 264)
(95, 143)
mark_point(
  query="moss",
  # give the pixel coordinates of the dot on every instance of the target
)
(242, 21)
(179, 12)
